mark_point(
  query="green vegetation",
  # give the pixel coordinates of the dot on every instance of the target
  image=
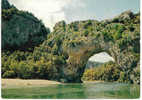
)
(27, 66)
(30, 52)
(106, 72)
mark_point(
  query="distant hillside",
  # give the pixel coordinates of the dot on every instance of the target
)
(20, 29)
(93, 64)
(63, 55)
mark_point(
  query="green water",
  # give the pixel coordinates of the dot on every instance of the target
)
(75, 91)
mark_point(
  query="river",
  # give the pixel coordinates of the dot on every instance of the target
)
(76, 91)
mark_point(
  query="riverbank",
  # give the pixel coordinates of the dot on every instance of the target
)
(13, 83)
(95, 81)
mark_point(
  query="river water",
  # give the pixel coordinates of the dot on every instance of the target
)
(75, 91)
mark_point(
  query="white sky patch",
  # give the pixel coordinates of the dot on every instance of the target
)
(101, 57)
(50, 11)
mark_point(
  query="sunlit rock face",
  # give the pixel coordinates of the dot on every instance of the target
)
(98, 59)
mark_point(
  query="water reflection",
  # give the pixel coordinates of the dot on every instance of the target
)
(112, 90)
(77, 91)
(73, 91)
(96, 90)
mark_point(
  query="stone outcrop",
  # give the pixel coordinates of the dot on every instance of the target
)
(20, 29)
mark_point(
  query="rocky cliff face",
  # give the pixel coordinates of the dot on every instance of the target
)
(20, 29)
(119, 37)
(63, 55)
(5, 4)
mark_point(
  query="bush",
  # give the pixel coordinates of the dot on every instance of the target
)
(24, 70)
(117, 35)
(9, 74)
(122, 77)
(89, 75)
(86, 33)
(106, 72)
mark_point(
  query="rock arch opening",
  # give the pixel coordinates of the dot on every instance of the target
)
(76, 63)
(100, 66)
(98, 59)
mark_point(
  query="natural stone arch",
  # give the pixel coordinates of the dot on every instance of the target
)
(77, 61)
(123, 46)
(78, 58)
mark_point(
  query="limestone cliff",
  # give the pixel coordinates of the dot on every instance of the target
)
(20, 29)
(119, 37)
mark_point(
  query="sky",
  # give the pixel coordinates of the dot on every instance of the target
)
(101, 57)
(53, 11)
